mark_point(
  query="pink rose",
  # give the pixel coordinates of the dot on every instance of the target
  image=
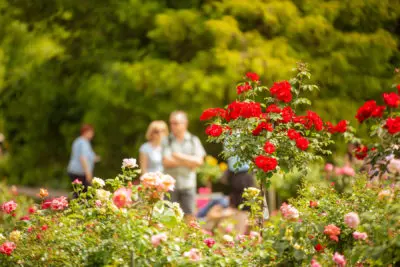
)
(76, 181)
(122, 197)
(7, 248)
(9, 206)
(360, 236)
(338, 171)
(339, 259)
(59, 203)
(156, 239)
(209, 242)
(349, 171)
(328, 167)
(98, 203)
(193, 254)
(315, 263)
(352, 220)
(332, 231)
(289, 212)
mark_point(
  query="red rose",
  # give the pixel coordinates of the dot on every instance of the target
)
(7, 248)
(243, 109)
(369, 109)
(273, 109)
(213, 112)
(341, 127)
(302, 143)
(269, 148)
(262, 126)
(314, 120)
(361, 152)
(393, 125)
(243, 88)
(300, 119)
(398, 88)
(214, 130)
(253, 76)
(32, 210)
(282, 91)
(391, 99)
(313, 204)
(266, 163)
(287, 114)
(319, 248)
(24, 218)
(45, 227)
(293, 135)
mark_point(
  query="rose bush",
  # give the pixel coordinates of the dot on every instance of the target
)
(361, 226)
(119, 222)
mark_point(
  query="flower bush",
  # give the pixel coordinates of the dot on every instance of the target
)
(327, 227)
(118, 223)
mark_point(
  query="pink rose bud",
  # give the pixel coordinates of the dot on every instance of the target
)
(360, 236)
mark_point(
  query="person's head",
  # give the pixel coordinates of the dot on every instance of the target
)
(179, 122)
(87, 131)
(156, 130)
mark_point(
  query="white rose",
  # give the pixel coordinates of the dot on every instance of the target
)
(129, 163)
(228, 238)
(103, 195)
(98, 182)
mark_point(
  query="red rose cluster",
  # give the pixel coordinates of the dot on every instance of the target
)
(243, 109)
(301, 142)
(341, 127)
(393, 125)
(213, 112)
(282, 91)
(262, 126)
(266, 163)
(361, 152)
(243, 88)
(369, 109)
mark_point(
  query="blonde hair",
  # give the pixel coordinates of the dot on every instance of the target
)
(160, 125)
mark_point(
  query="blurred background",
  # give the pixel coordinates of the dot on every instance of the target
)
(121, 64)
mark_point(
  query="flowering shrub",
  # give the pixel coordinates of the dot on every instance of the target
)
(117, 223)
(325, 227)
(383, 121)
(270, 133)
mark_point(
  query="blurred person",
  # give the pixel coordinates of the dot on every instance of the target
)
(1, 144)
(182, 153)
(83, 158)
(150, 157)
(239, 179)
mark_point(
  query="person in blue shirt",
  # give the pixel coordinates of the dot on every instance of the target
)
(83, 158)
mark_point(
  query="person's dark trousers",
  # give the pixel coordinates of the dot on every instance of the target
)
(81, 178)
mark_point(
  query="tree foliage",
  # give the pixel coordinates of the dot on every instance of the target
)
(121, 64)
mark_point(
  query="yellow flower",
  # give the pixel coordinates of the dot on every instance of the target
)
(210, 160)
(43, 193)
(223, 166)
(15, 235)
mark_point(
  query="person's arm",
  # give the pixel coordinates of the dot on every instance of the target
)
(190, 161)
(85, 167)
(171, 162)
(143, 162)
(167, 160)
